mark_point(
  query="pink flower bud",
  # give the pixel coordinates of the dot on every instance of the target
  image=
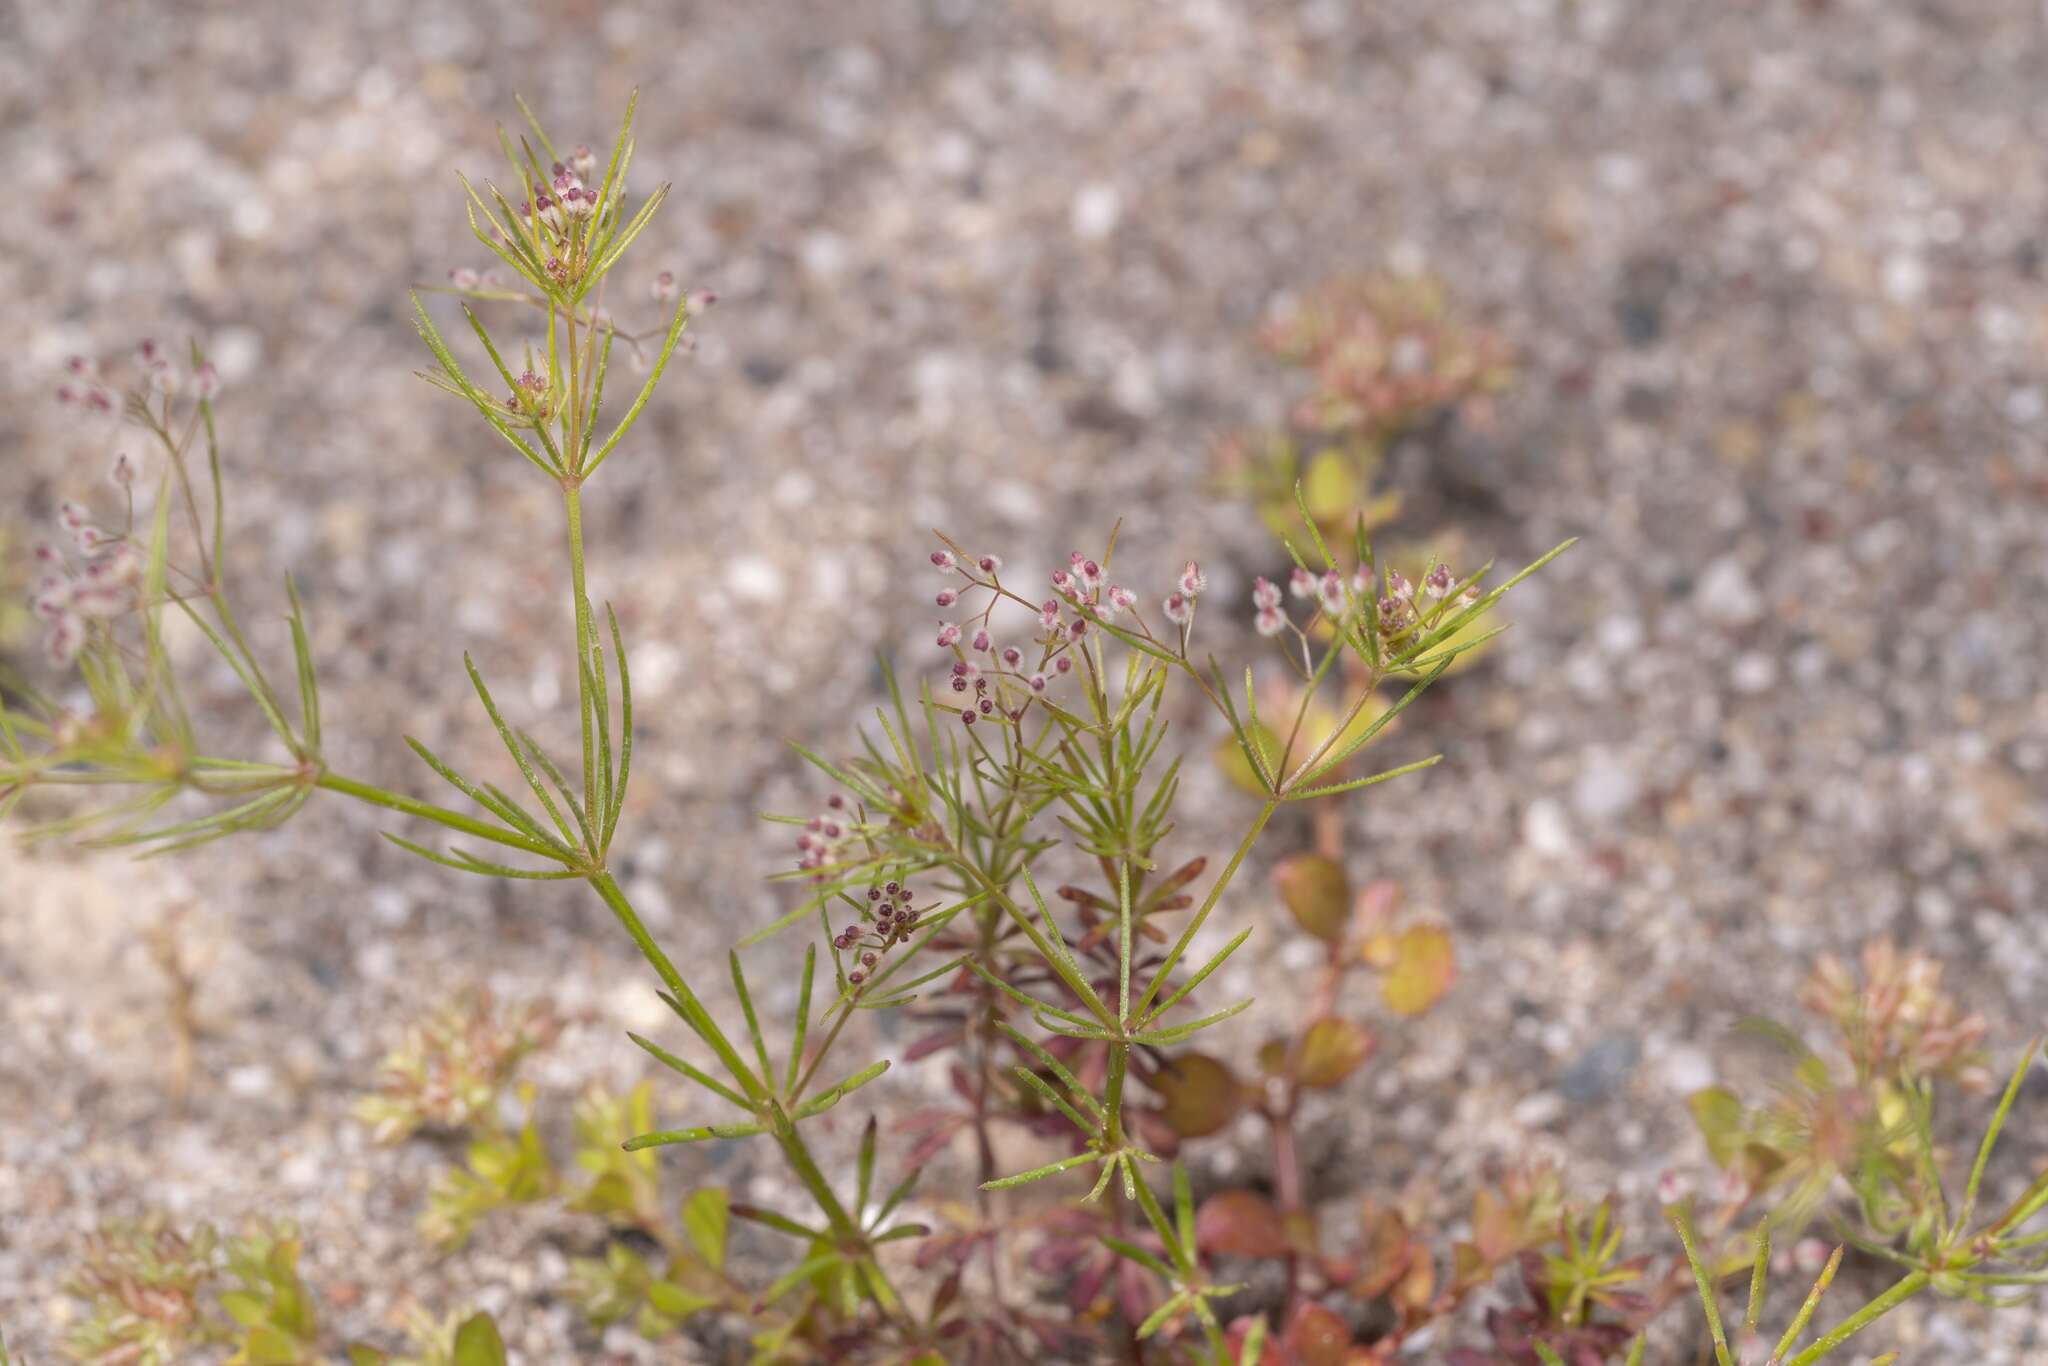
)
(66, 639)
(941, 560)
(664, 287)
(1438, 581)
(99, 600)
(967, 716)
(1063, 581)
(705, 299)
(583, 162)
(1037, 682)
(981, 642)
(1265, 594)
(947, 597)
(1301, 583)
(78, 365)
(1090, 574)
(1270, 621)
(949, 635)
(462, 277)
(146, 352)
(1120, 599)
(206, 382)
(1332, 593)
(1063, 664)
(123, 565)
(52, 601)
(1048, 614)
(989, 564)
(1012, 657)
(164, 379)
(1077, 630)
(1398, 586)
(1361, 582)
(71, 516)
(1180, 609)
(1192, 580)
(47, 554)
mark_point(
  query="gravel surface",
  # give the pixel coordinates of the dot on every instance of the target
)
(1774, 272)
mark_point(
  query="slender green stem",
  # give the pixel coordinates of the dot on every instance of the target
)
(1187, 935)
(572, 503)
(440, 815)
(1902, 1290)
(607, 888)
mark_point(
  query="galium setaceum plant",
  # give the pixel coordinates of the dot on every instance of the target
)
(1035, 750)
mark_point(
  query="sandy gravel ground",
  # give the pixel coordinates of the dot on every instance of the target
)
(1775, 272)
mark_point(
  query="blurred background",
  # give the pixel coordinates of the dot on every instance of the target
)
(1759, 291)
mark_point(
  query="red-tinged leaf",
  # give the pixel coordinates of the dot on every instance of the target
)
(1241, 1223)
(944, 1296)
(1177, 879)
(935, 1042)
(1316, 892)
(1389, 1248)
(1331, 1051)
(1200, 1095)
(1153, 1131)
(1423, 967)
(934, 1142)
(1317, 1337)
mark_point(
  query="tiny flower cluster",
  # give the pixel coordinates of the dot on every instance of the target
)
(823, 835)
(156, 375)
(104, 584)
(555, 211)
(1329, 595)
(893, 920)
(1083, 589)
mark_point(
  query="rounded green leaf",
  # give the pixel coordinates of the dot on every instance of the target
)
(1332, 1050)
(1200, 1095)
(1420, 969)
(1317, 893)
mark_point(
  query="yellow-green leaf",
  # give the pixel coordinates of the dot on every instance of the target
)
(1421, 971)
(1317, 892)
(1332, 1050)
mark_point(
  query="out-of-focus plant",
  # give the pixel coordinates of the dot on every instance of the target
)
(454, 1075)
(1383, 356)
(155, 1296)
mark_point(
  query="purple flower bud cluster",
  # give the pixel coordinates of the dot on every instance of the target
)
(890, 920)
(103, 581)
(1004, 687)
(824, 835)
(1000, 689)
